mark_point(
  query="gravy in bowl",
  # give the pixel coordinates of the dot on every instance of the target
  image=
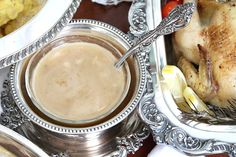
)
(77, 82)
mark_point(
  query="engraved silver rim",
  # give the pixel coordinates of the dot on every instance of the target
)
(100, 127)
(33, 35)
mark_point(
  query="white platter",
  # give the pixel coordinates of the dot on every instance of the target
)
(43, 27)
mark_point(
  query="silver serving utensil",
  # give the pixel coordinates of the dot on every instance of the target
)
(178, 18)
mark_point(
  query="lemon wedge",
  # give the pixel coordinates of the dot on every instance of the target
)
(194, 102)
(175, 80)
(185, 98)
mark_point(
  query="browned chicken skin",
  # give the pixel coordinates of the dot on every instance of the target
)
(210, 42)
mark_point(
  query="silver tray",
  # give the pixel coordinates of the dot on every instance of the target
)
(11, 117)
(129, 142)
(33, 35)
(167, 123)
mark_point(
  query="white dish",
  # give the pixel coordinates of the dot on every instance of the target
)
(42, 28)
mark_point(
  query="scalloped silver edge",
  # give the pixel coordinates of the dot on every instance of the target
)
(47, 37)
(104, 126)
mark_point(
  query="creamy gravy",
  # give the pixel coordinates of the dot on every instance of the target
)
(77, 81)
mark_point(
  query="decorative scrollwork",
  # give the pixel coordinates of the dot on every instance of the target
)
(133, 141)
(221, 146)
(178, 18)
(180, 139)
(164, 132)
(137, 18)
(150, 114)
(138, 26)
(11, 116)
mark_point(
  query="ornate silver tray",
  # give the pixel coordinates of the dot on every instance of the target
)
(129, 141)
(13, 118)
(160, 112)
(43, 27)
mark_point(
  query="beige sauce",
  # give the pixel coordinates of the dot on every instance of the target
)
(78, 81)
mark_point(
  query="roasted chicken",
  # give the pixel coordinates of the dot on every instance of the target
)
(207, 52)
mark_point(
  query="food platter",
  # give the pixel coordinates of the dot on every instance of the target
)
(168, 124)
(157, 108)
(36, 32)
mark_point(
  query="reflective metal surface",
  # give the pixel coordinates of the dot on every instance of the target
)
(121, 134)
(177, 19)
(37, 32)
(73, 38)
(160, 112)
(106, 32)
(13, 144)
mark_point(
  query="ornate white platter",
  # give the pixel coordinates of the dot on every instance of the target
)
(33, 35)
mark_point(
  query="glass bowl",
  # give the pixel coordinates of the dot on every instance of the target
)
(76, 99)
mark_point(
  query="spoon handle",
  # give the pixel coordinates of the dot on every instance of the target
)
(178, 18)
